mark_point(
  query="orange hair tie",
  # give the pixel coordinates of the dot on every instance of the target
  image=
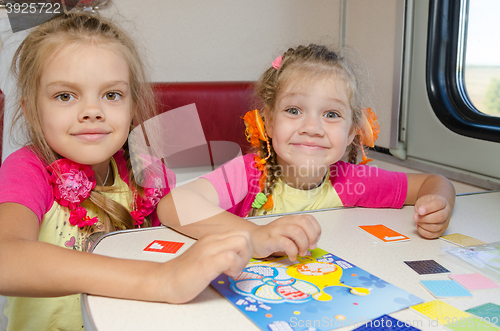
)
(255, 131)
(269, 203)
(368, 131)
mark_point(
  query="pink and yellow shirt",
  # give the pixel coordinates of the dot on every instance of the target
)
(348, 185)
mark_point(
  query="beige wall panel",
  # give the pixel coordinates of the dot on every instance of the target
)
(199, 40)
(373, 28)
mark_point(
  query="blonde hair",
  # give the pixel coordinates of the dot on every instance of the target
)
(306, 61)
(27, 66)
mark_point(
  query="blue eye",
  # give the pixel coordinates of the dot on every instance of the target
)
(293, 111)
(65, 97)
(112, 96)
(331, 114)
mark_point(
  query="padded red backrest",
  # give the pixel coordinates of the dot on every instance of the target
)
(220, 106)
(2, 100)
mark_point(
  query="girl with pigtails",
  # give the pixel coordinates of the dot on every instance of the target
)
(81, 82)
(314, 115)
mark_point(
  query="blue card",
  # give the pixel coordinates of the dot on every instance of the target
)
(445, 288)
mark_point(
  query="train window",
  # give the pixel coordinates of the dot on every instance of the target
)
(463, 68)
(482, 56)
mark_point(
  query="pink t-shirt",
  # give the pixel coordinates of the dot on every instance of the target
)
(237, 183)
(25, 180)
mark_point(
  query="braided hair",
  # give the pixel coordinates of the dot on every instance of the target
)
(310, 60)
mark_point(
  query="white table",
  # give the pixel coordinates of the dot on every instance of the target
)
(476, 215)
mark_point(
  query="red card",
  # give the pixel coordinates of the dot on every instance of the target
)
(161, 246)
(383, 233)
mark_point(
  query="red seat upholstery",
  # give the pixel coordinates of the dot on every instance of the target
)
(220, 106)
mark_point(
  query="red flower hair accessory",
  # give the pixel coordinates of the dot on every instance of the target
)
(72, 183)
(143, 206)
(368, 132)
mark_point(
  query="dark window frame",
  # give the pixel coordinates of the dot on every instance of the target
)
(445, 83)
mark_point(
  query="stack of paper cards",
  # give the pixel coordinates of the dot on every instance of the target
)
(462, 240)
(486, 258)
(475, 281)
(386, 323)
(427, 267)
(445, 288)
(383, 233)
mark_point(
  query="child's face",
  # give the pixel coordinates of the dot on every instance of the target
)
(85, 103)
(311, 126)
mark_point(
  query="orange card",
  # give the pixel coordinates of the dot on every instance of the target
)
(383, 233)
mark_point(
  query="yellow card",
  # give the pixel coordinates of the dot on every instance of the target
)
(440, 311)
(462, 239)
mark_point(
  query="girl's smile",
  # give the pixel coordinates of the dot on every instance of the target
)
(307, 145)
(91, 134)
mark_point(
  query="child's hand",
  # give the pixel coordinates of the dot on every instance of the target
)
(292, 235)
(432, 215)
(184, 277)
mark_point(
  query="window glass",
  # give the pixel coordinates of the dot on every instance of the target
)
(482, 56)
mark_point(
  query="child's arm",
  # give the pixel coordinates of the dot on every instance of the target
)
(198, 213)
(434, 198)
(29, 267)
